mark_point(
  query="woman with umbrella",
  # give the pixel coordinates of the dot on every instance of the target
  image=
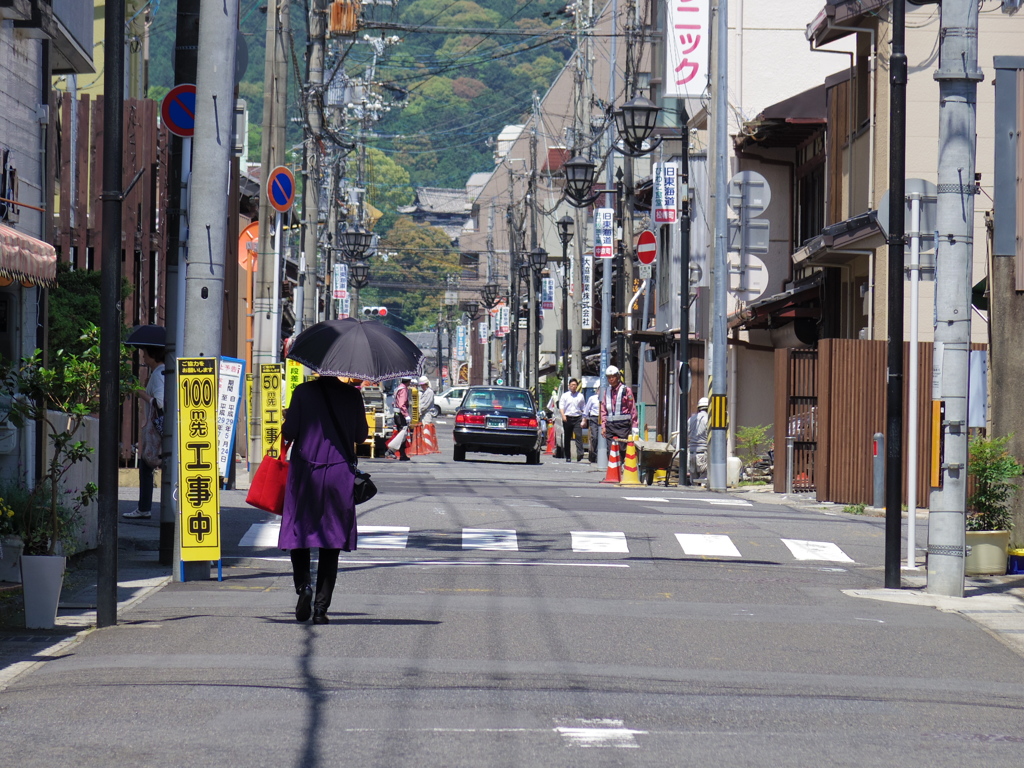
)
(325, 420)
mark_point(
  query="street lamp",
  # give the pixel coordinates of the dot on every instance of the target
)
(490, 294)
(359, 275)
(579, 178)
(565, 232)
(635, 121)
(355, 243)
(538, 260)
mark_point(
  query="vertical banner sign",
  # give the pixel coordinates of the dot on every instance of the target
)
(249, 379)
(504, 320)
(293, 377)
(604, 233)
(270, 398)
(547, 292)
(666, 200)
(229, 389)
(198, 484)
(481, 329)
(339, 282)
(587, 291)
(460, 342)
(345, 307)
(687, 50)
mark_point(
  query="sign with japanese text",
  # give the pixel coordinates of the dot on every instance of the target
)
(198, 482)
(504, 320)
(604, 233)
(460, 342)
(270, 400)
(346, 305)
(293, 377)
(229, 390)
(687, 49)
(547, 293)
(249, 380)
(482, 333)
(666, 192)
(587, 291)
(339, 281)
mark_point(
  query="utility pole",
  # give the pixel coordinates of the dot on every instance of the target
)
(718, 444)
(306, 310)
(266, 311)
(532, 348)
(110, 315)
(208, 204)
(894, 373)
(683, 362)
(958, 76)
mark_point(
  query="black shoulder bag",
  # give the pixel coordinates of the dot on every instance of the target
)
(363, 488)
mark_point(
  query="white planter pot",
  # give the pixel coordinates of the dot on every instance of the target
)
(988, 553)
(10, 566)
(42, 577)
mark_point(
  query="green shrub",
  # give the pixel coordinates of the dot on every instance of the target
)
(751, 442)
(993, 470)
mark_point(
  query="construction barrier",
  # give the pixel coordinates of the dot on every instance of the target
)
(613, 475)
(630, 472)
(428, 440)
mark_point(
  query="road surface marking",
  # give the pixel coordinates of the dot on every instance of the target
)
(600, 733)
(383, 537)
(261, 535)
(725, 502)
(707, 545)
(647, 498)
(489, 539)
(599, 541)
(816, 550)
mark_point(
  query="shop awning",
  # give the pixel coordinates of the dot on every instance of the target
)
(26, 259)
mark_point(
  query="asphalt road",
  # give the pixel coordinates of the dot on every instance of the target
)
(504, 615)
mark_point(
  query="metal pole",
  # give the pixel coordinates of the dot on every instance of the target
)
(958, 77)
(110, 316)
(718, 437)
(912, 379)
(306, 309)
(683, 361)
(565, 315)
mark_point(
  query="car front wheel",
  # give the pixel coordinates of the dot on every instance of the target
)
(435, 411)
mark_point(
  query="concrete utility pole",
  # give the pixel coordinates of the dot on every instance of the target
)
(266, 313)
(306, 310)
(958, 76)
(212, 148)
(718, 440)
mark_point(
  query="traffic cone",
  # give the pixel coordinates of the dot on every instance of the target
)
(551, 440)
(415, 447)
(630, 473)
(612, 475)
(428, 440)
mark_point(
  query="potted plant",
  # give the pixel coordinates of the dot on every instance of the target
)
(60, 396)
(989, 517)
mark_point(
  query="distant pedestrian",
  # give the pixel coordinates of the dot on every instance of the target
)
(697, 441)
(426, 401)
(153, 398)
(618, 407)
(570, 407)
(402, 416)
(325, 420)
(592, 422)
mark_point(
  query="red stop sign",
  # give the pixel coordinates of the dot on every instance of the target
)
(647, 247)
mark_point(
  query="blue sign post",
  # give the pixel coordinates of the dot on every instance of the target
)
(178, 110)
(281, 189)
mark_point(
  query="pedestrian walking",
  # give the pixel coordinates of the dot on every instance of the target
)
(402, 416)
(618, 408)
(592, 422)
(324, 421)
(570, 407)
(153, 398)
(426, 401)
(697, 441)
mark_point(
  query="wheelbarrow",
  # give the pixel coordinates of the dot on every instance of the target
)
(652, 456)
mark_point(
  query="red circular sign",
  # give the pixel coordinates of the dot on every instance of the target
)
(178, 110)
(281, 188)
(647, 247)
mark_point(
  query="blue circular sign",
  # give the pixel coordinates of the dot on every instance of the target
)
(178, 110)
(281, 189)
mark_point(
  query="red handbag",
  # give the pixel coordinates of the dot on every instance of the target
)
(266, 491)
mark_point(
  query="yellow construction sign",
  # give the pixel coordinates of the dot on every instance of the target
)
(270, 399)
(198, 479)
(718, 412)
(293, 377)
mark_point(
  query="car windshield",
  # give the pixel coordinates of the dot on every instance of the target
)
(497, 398)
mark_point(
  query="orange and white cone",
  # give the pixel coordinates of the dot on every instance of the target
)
(613, 475)
(428, 440)
(630, 472)
(551, 440)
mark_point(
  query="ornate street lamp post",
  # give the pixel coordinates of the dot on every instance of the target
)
(565, 233)
(538, 261)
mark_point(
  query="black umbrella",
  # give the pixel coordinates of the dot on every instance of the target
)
(147, 336)
(359, 349)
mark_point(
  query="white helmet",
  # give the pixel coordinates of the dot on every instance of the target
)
(424, 380)
(703, 403)
(611, 370)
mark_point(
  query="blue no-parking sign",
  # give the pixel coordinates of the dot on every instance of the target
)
(178, 110)
(281, 189)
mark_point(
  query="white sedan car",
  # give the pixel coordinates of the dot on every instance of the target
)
(449, 401)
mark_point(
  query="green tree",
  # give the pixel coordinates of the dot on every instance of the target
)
(388, 190)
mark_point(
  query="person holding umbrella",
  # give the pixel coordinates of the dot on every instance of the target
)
(150, 340)
(324, 422)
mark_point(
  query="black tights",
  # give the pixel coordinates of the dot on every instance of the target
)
(326, 573)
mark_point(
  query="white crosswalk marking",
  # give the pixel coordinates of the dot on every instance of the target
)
(600, 733)
(489, 539)
(816, 550)
(261, 535)
(383, 537)
(707, 545)
(599, 541)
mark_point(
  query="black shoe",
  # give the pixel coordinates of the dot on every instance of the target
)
(569, 460)
(403, 458)
(320, 616)
(304, 607)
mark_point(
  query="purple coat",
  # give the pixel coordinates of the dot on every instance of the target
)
(318, 507)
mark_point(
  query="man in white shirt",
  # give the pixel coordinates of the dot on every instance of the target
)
(697, 441)
(426, 401)
(570, 406)
(592, 422)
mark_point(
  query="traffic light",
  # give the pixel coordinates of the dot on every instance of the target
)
(375, 311)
